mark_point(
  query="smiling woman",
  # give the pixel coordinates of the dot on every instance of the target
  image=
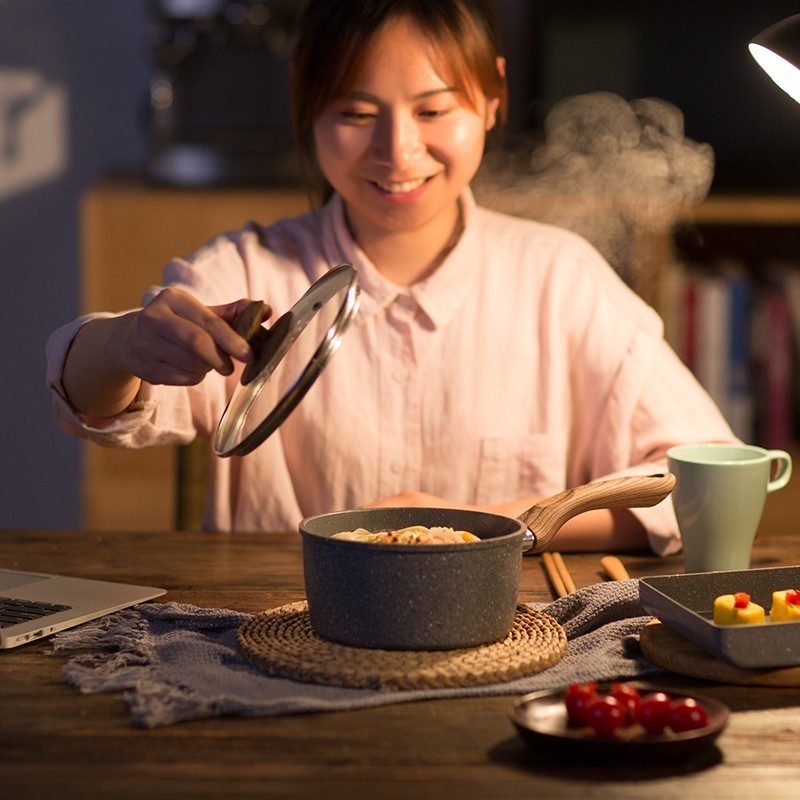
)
(393, 104)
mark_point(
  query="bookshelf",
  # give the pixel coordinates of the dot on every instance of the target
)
(733, 287)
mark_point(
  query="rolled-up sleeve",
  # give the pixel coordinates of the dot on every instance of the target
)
(158, 414)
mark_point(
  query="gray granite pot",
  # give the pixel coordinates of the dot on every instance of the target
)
(439, 597)
(412, 597)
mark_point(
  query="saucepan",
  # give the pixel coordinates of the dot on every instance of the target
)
(446, 596)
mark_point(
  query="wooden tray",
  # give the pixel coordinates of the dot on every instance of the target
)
(670, 650)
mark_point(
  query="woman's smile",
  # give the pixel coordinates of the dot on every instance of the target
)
(401, 190)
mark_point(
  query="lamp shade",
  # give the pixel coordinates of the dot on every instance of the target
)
(777, 50)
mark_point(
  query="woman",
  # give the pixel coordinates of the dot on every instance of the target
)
(494, 361)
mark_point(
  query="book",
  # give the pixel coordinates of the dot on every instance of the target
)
(739, 402)
(713, 335)
(771, 359)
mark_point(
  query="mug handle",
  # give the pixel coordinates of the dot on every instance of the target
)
(784, 470)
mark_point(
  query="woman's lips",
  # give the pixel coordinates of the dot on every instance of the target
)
(400, 188)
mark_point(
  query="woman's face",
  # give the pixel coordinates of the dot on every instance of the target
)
(403, 144)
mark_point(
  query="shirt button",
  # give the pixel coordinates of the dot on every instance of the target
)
(396, 467)
(399, 375)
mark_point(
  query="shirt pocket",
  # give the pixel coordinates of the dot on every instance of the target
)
(523, 466)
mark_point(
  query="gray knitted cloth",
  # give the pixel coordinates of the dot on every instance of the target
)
(176, 662)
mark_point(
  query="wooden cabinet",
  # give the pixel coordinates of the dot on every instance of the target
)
(129, 232)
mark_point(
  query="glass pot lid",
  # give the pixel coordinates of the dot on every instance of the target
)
(288, 358)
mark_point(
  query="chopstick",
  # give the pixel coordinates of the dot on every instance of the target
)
(615, 568)
(561, 580)
(558, 574)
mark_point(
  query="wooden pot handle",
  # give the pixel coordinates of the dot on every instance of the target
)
(546, 517)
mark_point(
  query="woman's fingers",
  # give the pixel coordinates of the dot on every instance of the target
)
(177, 340)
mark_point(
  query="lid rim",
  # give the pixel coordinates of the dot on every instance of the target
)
(290, 399)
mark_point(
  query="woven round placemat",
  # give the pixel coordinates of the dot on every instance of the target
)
(282, 642)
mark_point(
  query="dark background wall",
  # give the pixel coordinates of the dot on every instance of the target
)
(690, 52)
(97, 52)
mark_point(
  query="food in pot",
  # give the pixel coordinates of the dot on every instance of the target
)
(414, 534)
(785, 606)
(737, 609)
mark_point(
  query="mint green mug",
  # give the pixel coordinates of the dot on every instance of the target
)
(719, 497)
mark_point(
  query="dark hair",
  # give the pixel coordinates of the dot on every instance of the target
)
(335, 38)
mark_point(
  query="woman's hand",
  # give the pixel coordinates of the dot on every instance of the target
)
(414, 499)
(173, 340)
(410, 499)
(176, 340)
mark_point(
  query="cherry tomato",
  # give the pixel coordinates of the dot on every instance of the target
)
(579, 695)
(605, 714)
(687, 714)
(630, 698)
(654, 712)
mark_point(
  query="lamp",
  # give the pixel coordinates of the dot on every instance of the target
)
(777, 50)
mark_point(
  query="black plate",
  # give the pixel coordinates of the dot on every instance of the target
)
(541, 719)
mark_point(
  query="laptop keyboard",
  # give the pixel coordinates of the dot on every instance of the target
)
(14, 611)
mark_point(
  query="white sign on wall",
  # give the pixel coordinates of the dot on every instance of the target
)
(34, 126)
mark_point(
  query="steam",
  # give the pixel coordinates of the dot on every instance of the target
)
(607, 169)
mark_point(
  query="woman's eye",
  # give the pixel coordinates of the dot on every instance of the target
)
(358, 116)
(434, 113)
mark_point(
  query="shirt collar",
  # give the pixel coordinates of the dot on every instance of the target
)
(438, 296)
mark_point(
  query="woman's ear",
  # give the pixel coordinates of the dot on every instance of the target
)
(490, 117)
(494, 103)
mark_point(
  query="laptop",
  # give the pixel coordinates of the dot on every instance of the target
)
(34, 605)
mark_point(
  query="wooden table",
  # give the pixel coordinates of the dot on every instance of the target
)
(56, 743)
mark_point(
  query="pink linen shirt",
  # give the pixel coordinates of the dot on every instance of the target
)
(522, 366)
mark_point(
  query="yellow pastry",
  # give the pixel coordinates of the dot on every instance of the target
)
(785, 606)
(736, 609)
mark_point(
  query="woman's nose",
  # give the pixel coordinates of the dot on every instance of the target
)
(397, 141)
